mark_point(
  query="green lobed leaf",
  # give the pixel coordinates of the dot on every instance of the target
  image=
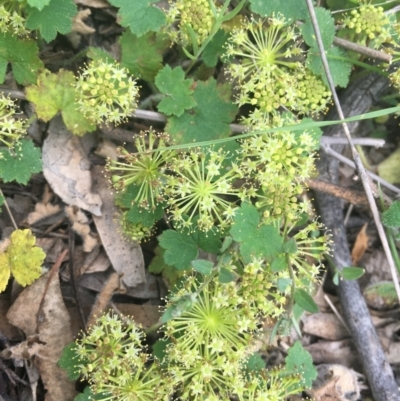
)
(391, 216)
(178, 91)
(226, 244)
(215, 48)
(209, 241)
(305, 301)
(352, 273)
(256, 241)
(88, 395)
(54, 18)
(23, 56)
(96, 54)
(340, 69)
(254, 363)
(69, 361)
(55, 93)
(290, 9)
(180, 249)
(326, 24)
(21, 164)
(203, 266)
(141, 16)
(299, 361)
(142, 56)
(226, 276)
(283, 283)
(39, 4)
(208, 120)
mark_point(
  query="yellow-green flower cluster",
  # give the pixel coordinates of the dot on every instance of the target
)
(199, 187)
(193, 15)
(209, 342)
(144, 168)
(279, 163)
(106, 92)
(12, 21)
(112, 357)
(271, 74)
(369, 23)
(11, 128)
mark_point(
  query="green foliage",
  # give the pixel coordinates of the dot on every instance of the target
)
(140, 16)
(142, 56)
(39, 4)
(180, 249)
(20, 164)
(55, 93)
(391, 216)
(290, 9)
(215, 48)
(208, 120)
(23, 56)
(327, 25)
(22, 259)
(56, 17)
(254, 363)
(177, 89)
(69, 362)
(203, 266)
(299, 361)
(340, 68)
(256, 240)
(352, 273)
(304, 300)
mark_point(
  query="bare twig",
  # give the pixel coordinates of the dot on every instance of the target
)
(8, 210)
(328, 140)
(366, 51)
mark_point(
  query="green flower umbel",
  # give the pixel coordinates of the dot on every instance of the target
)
(145, 168)
(11, 128)
(199, 188)
(106, 92)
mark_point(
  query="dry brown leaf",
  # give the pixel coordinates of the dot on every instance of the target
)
(79, 26)
(325, 325)
(80, 224)
(360, 246)
(53, 328)
(125, 255)
(24, 350)
(67, 168)
(335, 383)
(146, 315)
(42, 211)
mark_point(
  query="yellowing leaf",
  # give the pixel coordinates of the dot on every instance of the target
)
(55, 92)
(5, 271)
(24, 258)
(389, 168)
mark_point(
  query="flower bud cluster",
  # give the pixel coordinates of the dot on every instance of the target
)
(106, 92)
(135, 231)
(11, 128)
(279, 163)
(369, 23)
(196, 14)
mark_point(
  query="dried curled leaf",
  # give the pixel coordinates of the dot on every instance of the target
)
(22, 258)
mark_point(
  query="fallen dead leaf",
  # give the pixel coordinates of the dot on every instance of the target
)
(67, 168)
(335, 383)
(79, 26)
(42, 211)
(360, 246)
(40, 309)
(125, 255)
(325, 325)
(145, 315)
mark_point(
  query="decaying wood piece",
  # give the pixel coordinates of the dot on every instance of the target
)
(356, 99)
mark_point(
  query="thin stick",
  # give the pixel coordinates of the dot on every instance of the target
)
(335, 311)
(350, 163)
(356, 156)
(329, 140)
(8, 210)
(366, 51)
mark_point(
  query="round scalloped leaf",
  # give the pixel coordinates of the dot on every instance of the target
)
(20, 164)
(5, 271)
